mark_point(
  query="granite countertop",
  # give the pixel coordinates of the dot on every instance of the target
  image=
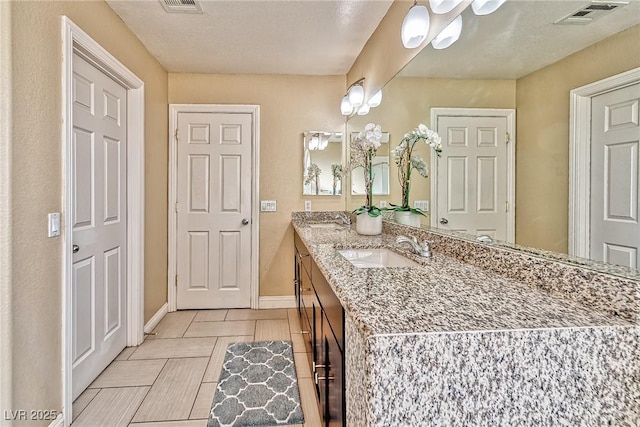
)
(442, 295)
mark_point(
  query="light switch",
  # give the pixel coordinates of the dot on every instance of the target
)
(307, 205)
(54, 224)
(268, 206)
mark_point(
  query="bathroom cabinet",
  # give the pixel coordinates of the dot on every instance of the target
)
(322, 323)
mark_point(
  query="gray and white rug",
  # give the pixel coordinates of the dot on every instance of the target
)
(257, 387)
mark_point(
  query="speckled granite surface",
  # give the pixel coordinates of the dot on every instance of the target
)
(464, 340)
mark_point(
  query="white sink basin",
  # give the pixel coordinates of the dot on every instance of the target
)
(376, 258)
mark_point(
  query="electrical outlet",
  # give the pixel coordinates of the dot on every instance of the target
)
(383, 203)
(307, 205)
(423, 205)
(268, 206)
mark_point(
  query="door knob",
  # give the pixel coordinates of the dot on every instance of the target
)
(245, 221)
(76, 248)
(444, 221)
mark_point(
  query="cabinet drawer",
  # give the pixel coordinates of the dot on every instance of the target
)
(330, 304)
(302, 253)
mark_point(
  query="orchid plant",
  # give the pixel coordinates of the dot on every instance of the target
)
(407, 161)
(363, 148)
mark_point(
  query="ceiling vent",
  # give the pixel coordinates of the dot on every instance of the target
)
(589, 13)
(181, 6)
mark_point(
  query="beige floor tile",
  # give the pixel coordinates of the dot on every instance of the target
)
(174, 348)
(174, 325)
(185, 423)
(269, 330)
(294, 320)
(309, 403)
(215, 363)
(298, 342)
(172, 395)
(83, 400)
(303, 370)
(124, 354)
(248, 314)
(129, 373)
(210, 316)
(112, 407)
(202, 405)
(221, 329)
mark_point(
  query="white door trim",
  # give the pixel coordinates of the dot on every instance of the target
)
(76, 40)
(510, 115)
(174, 109)
(580, 157)
(6, 317)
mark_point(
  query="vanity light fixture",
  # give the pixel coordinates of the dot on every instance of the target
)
(449, 35)
(345, 106)
(415, 26)
(364, 110)
(376, 99)
(485, 7)
(356, 94)
(443, 6)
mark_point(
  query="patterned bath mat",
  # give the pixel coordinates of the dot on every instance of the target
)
(257, 387)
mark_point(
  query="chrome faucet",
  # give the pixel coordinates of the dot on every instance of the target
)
(423, 249)
(484, 238)
(342, 218)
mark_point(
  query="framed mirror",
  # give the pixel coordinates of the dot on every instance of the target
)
(322, 163)
(515, 59)
(380, 170)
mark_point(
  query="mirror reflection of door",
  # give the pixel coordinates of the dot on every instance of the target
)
(615, 227)
(472, 179)
(322, 163)
(380, 171)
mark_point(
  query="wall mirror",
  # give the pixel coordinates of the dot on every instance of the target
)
(322, 163)
(514, 59)
(380, 170)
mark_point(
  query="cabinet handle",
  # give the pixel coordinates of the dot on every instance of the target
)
(304, 289)
(303, 256)
(305, 332)
(323, 378)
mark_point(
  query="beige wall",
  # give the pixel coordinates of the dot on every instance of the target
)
(37, 184)
(407, 102)
(289, 105)
(542, 159)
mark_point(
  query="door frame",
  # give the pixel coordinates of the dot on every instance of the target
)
(580, 157)
(510, 116)
(75, 40)
(174, 110)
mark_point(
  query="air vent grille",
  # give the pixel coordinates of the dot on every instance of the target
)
(181, 6)
(589, 13)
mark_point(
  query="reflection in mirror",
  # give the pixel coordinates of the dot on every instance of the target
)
(322, 163)
(380, 170)
(516, 59)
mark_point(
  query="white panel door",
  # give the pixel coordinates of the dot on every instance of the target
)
(214, 210)
(615, 135)
(472, 175)
(99, 222)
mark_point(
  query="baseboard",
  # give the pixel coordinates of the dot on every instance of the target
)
(58, 422)
(153, 322)
(283, 301)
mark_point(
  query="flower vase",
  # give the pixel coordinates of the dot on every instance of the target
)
(407, 218)
(368, 225)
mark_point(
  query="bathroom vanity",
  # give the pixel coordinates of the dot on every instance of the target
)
(475, 335)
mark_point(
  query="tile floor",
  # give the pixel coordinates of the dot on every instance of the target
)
(170, 379)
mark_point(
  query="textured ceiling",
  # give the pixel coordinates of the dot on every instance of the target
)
(256, 37)
(518, 39)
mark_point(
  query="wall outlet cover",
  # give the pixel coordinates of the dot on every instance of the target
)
(307, 205)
